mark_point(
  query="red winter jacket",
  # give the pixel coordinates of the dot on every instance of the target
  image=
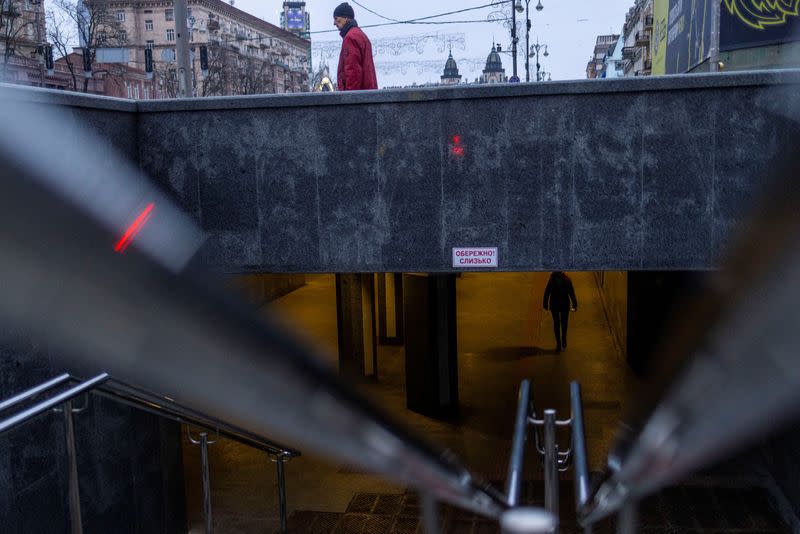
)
(356, 68)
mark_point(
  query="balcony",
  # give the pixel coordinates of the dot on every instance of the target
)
(212, 25)
(643, 38)
(629, 52)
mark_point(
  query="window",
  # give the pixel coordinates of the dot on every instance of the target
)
(147, 93)
(147, 11)
(129, 89)
(120, 16)
(169, 14)
(150, 44)
(188, 12)
(170, 34)
(148, 25)
(136, 91)
(123, 36)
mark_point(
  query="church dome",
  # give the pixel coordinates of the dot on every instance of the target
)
(493, 62)
(450, 68)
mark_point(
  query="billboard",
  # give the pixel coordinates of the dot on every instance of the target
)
(659, 42)
(295, 19)
(682, 34)
(750, 23)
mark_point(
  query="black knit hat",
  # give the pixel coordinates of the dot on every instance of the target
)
(344, 10)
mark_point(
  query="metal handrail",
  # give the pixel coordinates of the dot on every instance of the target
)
(518, 444)
(25, 395)
(166, 407)
(33, 411)
(109, 387)
(580, 460)
(553, 460)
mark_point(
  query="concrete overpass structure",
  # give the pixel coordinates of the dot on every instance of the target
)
(644, 173)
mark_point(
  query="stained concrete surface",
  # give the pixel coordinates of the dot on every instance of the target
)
(503, 336)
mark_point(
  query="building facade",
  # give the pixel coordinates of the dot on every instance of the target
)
(613, 64)
(636, 37)
(246, 55)
(596, 68)
(22, 32)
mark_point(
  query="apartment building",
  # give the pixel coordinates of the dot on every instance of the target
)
(595, 67)
(636, 37)
(246, 55)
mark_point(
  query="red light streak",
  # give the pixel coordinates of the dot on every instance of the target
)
(134, 228)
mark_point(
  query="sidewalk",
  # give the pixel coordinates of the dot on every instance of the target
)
(503, 337)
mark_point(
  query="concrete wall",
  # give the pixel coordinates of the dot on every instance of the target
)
(585, 175)
(114, 119)
(625, 174)
(613, 288)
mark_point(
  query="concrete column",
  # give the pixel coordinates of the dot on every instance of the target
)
(654, 298)
(355, 324)
(390, 308)
(431, 353)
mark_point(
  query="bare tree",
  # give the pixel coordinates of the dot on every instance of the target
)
(63, 35)
(232, 73)
(167, 75)
(253, 76)
(97, 27)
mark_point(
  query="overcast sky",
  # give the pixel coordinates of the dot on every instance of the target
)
(568, 27)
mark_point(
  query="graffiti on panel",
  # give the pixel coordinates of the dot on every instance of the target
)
(751, 23)
(760, 14)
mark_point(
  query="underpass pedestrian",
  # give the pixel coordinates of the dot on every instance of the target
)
(557, 296)
(356, 67)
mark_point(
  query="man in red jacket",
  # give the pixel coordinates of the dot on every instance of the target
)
(356, 68)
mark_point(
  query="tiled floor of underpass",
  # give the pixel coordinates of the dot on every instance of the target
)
(503, 337)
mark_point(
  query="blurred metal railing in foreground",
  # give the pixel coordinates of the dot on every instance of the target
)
(105, 386)
(63, 282)
(532, 520)
(740, 378)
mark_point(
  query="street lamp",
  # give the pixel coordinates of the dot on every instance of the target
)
(516, 8)
(539, 7)
(534, 49)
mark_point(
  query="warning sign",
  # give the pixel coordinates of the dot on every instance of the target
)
(466, 257)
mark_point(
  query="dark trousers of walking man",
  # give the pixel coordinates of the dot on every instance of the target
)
(560, 323)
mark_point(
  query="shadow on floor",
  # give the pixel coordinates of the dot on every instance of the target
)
(502, 354)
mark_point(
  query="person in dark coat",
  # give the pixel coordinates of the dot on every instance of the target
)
(356, 67)
(557, 296)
